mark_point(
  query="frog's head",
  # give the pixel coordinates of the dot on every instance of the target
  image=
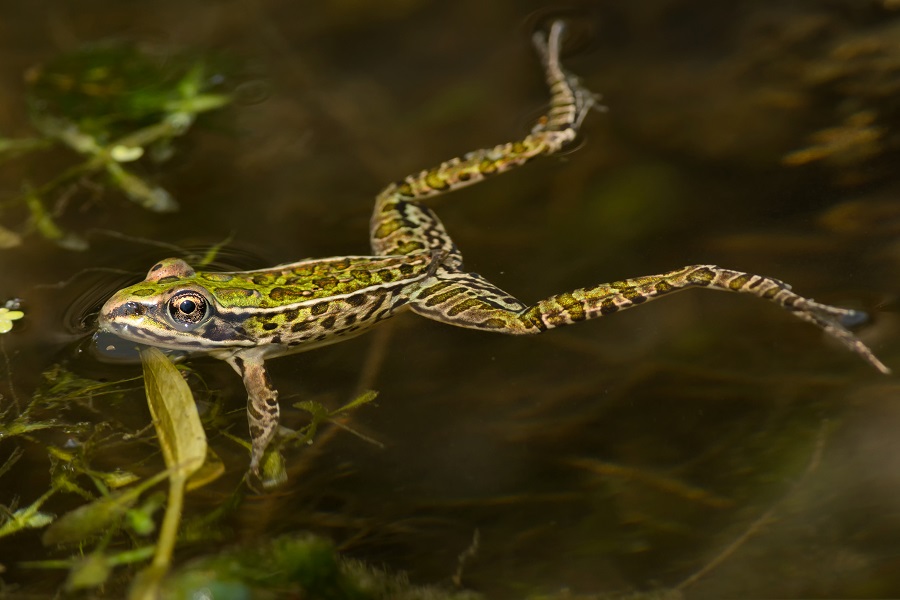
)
(171, 309)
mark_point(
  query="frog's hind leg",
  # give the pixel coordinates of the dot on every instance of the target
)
(467, 300)
(401, 224)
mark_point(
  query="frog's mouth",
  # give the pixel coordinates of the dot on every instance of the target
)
(135, 332)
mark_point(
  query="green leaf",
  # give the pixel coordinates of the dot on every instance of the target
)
(29, 517)
(364, 398)
(9, 238)
(212, 469)
(140, 519)
(183, 444)
(92, 518)
(43, 222)
(91, 571)
(181, 436)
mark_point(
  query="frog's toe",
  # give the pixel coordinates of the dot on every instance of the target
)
(854, 318)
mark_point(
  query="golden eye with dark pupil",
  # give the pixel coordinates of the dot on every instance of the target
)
(187, 308)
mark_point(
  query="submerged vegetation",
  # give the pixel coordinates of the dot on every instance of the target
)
(112, 105)
(117, 524)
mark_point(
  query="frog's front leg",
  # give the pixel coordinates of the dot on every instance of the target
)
(262, 405)
(468, 300)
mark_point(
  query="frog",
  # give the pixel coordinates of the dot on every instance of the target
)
(246, 318)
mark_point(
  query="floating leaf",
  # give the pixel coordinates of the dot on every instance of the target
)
(7, 317)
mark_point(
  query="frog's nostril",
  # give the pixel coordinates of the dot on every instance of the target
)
(131, 309)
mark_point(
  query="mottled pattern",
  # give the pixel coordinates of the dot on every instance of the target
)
(247, 317)
(294, 283)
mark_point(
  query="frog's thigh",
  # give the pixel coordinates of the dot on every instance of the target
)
(469, 300)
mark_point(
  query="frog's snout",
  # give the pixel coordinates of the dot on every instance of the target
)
(126, 310)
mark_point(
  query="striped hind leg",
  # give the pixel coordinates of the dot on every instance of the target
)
(401, 224)
(467, 300)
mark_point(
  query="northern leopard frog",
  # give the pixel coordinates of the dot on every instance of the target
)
(245, 318)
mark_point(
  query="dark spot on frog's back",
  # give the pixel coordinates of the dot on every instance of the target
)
(169, 279)
(218, 277)
(319, 308)
(284, 294)
(325, 283)
(406, 269)
(235, 295)
(361, 275)
(328, 322)
(270, 326)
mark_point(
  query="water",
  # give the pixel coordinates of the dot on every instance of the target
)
(630, 453)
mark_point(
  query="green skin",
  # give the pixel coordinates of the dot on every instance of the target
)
(247, 317)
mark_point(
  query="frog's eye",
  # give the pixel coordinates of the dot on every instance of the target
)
(188, 309)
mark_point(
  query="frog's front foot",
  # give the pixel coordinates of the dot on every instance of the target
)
(267, 473)
(262, 406)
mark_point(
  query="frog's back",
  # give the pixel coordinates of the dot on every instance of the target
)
(299, 306)
(285, 286)
(269, 312)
